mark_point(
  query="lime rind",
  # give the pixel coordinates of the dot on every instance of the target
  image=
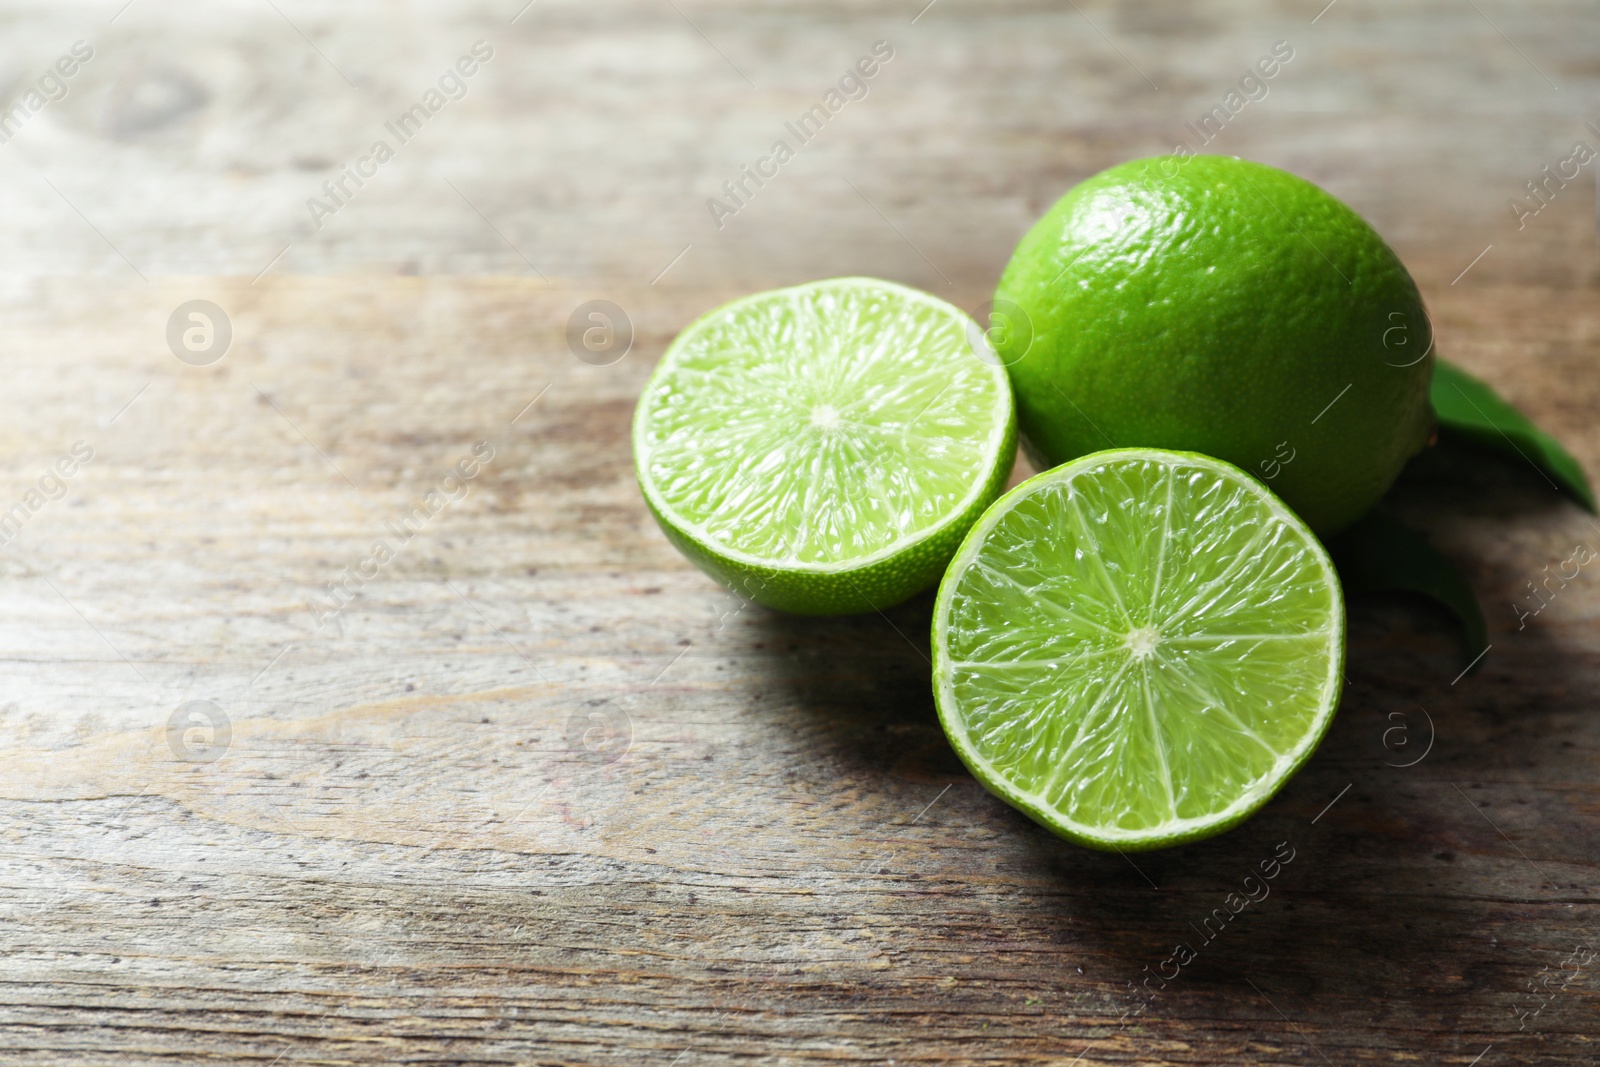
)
(1145, 289)
(823, 448)
(1133, 700)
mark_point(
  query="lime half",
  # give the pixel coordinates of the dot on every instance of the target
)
(1138, 648)
(823, 449)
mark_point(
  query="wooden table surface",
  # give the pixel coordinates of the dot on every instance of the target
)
(524, 787)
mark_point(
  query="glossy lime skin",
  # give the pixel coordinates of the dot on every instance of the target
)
(1214, 305)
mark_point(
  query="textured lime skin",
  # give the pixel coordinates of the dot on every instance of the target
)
(1220, 306)
(871, 584)
(873, 587)
(949, 713)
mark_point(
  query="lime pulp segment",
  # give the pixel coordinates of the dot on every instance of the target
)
(793, 439)
(1138, 648)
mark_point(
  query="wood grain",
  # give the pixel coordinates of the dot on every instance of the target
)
(407, 851)
(541, 793)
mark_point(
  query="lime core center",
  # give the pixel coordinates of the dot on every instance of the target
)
(1142, 641)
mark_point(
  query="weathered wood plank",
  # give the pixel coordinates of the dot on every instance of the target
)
(406, 852)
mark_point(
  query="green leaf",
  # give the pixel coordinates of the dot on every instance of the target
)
(1471, 408)
(1378, 554)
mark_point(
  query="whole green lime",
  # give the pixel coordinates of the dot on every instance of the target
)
(1210, 304)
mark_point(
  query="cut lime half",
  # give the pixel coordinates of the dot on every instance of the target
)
(1138, 648)
(823, 449)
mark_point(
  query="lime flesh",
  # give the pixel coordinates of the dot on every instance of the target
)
(824, 448)
(1138, 648)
